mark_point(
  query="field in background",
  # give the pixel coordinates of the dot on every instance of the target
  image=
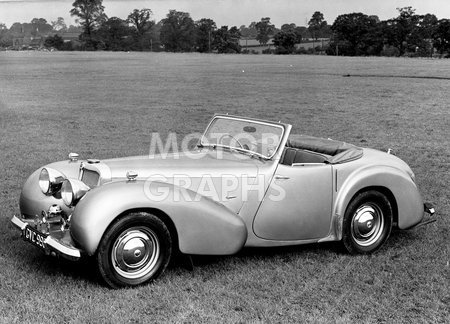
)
(104, 105)
(254, 46)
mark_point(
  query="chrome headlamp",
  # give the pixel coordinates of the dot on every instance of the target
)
(72, 191)
(50, 180)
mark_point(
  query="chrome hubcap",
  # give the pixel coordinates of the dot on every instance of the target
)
(367, 224)
(135, 252)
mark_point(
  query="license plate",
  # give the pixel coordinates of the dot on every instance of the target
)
(34, 237)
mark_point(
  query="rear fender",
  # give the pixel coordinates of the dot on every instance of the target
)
(203, 226)
(407, 197)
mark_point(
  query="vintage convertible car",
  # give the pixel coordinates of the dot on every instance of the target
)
(247, 183)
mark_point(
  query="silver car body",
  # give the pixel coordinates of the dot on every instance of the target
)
(315, 195)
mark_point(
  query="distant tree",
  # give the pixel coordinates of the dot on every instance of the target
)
(274, 31)
(249, 32)
(441, 36)
(3, 29)
(74, 29)
(285, 41)
(55, 41)
(115, 35)
(227, 40)
(142, 25)
(90, 15)
(38, 21)
(287, 27)
(264, 29)
(155, 34)
(326, 31)
(5, 37)
(375, 18)
(427, 25)
(423, 34)
(205, 29)
(303, 31)
(178, 32)
(40, 26)
(235, 34)
(16, 28)
(354, 33)
(141, 20)
(59, 25)
(317, 24)
(410, 33)
(296, 30)
(244, 31)
(252, 28)
(400, 31)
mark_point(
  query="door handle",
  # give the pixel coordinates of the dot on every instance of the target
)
(281, 177)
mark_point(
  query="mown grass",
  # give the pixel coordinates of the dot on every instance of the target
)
(107, 104)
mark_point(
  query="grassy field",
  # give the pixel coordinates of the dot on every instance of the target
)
(107, 104)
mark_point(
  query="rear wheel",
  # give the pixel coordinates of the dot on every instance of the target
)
(367, 222)
(134, 250)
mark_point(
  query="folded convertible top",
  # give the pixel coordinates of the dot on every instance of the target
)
(338, 152)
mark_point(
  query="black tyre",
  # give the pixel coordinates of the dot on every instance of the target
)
(367, 222)
(135, 249)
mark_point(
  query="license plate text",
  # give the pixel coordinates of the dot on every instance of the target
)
(34, 237)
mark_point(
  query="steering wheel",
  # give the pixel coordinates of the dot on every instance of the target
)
(232, 137)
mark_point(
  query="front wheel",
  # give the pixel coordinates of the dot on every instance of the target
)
(367, 222)
(134, 250)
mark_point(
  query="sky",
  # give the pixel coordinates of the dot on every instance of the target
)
(225, 12)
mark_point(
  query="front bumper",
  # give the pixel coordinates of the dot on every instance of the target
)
(61, 245)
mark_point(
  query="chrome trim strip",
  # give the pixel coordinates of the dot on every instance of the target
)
(308, 164)
(18, 222)
(67, 251)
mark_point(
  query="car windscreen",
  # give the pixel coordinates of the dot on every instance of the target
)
(251, 136)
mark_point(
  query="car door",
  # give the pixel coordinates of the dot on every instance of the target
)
(297, 205)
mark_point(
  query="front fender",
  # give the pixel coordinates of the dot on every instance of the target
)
(399, 183)
(203, 226)
(33, 201)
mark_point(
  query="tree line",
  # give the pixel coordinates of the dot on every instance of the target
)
(350, 34)
(407, 34)
(178, 32)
